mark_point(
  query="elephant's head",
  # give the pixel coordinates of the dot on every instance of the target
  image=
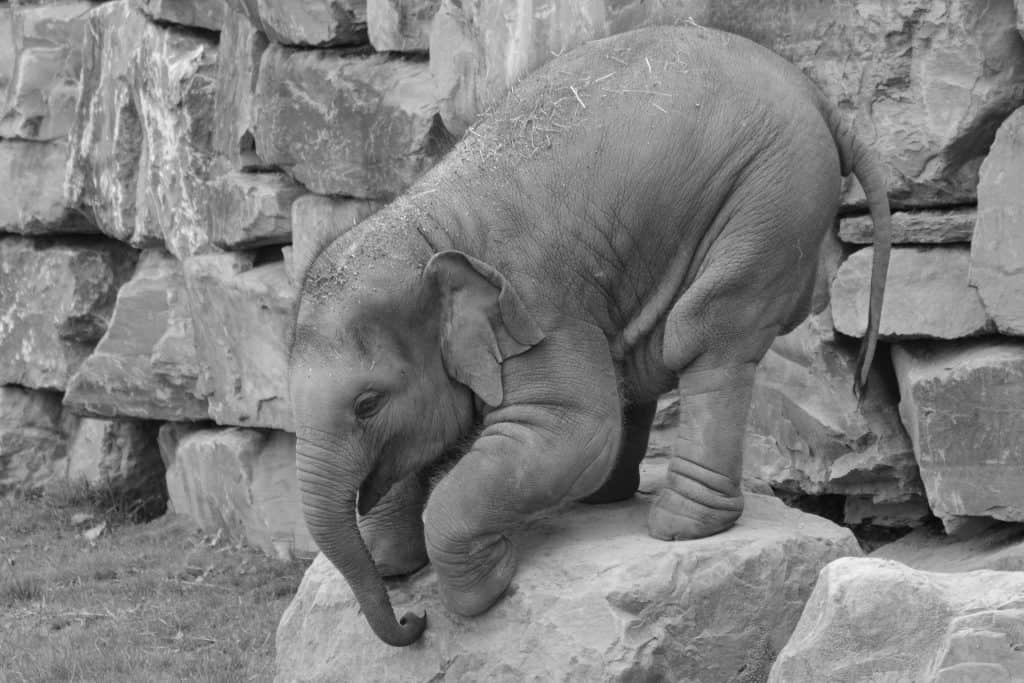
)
(388, 351)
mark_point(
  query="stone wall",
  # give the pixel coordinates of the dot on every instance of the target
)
(160, 158)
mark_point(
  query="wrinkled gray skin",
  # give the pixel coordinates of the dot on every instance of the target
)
(644, 212)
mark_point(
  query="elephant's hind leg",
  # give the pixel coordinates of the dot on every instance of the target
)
(624, 479)
(702, 496)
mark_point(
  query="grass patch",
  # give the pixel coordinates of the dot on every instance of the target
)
(156, 601)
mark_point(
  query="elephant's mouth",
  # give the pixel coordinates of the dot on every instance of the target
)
(373, 488)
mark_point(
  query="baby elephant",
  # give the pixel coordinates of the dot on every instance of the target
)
(642, 213)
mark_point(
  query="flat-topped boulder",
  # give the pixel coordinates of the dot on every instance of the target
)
(595, 599)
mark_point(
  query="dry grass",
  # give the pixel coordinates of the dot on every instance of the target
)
(154, 601)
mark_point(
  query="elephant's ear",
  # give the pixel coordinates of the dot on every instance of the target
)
(483, 322)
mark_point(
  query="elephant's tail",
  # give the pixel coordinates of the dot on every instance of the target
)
(857, 157)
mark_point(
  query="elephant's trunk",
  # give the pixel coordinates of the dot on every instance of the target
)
(328, 483)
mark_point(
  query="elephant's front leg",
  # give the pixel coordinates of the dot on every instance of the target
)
(393, 531)
(703, 495)
(554, 439)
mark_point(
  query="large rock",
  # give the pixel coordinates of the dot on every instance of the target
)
(808, 434)
(400, 25)
(929, 84)
(997, 251)
(240, 481)
(141, 145)
(374, 117)
(914, 227)
(120, 454)
(32, 202)
(7, 52)
(145, 365)
(239, 51)
(242, 317)
(1000, 547)
(40, 103)
(595, 599)
(56, 298)
(318, 23)
(927, 295)
(207, 14)
(875, 620)
(33, 437)
(963, 405)
(247, 210)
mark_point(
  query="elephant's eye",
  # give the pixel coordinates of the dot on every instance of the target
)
(368, 404)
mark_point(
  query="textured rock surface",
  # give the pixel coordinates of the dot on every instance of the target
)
(999, 547)
(595, 599)
(927, 295)
(242, 322)
(314, 216)
(997, 252)
(914, 227)
(238, 61)
(32, 203)
(145, 365)
(238, 480)
(141, 143)
(478, 48)
(963, 405)
(808, 434)
(927, 84)
(317, 22)
(33, 437)
(122, 454)
(247, 210)
(55, 304)
(400, 25)
(374, 116)
(875, 620)
(208, 14)
(7, 52)
(46, 40)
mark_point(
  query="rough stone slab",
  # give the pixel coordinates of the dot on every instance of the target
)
(33, 437)
(914, 227)
(55, 304)
(32, 203)
(997, 251)
(375, 119)
(807, 433)
(313, 218)
(241, 481)
(963, 405)
(400, 25)
(248, 210)
(876, 620)
(242, 318)
(480, 48)
(999, 547)
(930, 85)
(7, 51)
(315, 23)
(595, 599)
(144, 366)
(46, 39)
(141, 145)
(121, 454)
(208, 14)
(238, 62)
(927, 295)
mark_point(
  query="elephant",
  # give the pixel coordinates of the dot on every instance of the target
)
(642, 213)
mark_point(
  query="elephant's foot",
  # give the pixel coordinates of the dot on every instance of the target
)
(698, 500)
(393, 531)
(471, 583)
